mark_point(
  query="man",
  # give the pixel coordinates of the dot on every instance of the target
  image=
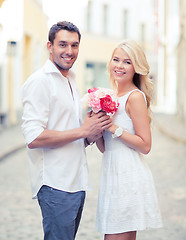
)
(55, 137)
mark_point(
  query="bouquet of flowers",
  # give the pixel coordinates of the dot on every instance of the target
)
(101, 99)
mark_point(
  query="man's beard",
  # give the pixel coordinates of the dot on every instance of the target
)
(61, 67)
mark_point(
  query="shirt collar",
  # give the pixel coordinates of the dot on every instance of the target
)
(49, 67)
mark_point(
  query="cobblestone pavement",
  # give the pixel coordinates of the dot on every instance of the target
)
(20, 216)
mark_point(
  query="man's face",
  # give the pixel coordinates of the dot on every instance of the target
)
(64, 50)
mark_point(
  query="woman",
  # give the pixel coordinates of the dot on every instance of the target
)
(127, 197)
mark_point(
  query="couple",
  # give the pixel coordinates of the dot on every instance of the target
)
(56, 139)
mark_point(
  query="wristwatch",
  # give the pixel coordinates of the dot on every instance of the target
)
(118, 132)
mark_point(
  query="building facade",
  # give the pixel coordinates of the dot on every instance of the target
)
(171, 86)
(159, 28)
(181, 58)
(23, 36)
(104, 24)
(168, 37)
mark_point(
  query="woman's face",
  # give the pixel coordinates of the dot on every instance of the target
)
(121, 67)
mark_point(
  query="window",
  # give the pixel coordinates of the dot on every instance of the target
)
(1, 89)
(142, 33)
(95, 75)
(125, 23)
(89, 11)
(105, 19)
(37, 58)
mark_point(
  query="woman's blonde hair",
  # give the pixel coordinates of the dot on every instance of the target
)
(141, 67)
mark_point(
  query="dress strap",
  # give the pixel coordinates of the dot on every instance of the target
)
(128, 94)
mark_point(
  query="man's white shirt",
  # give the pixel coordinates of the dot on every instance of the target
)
(48, 103)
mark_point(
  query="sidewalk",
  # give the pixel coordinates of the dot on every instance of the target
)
(171, 126)
(11, 139)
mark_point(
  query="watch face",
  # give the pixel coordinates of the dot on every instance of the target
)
(119, 131)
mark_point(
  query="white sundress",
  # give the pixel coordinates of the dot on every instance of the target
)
(127, 198)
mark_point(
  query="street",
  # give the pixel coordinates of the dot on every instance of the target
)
(20, 216)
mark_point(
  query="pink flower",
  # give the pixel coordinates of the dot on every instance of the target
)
(102, 99)
(94, 102)
(92, 90)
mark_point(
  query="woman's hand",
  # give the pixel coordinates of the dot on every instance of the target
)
(112, 128)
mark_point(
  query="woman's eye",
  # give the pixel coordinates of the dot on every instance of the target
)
(115, 59)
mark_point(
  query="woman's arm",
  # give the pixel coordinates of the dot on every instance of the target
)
(137, 110)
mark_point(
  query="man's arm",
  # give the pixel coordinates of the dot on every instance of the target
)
(91, 127)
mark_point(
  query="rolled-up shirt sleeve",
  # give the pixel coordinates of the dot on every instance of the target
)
(35, 99)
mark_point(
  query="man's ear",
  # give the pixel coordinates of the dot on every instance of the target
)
(49, 46)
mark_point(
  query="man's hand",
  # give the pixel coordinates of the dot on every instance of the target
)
(95, 124)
